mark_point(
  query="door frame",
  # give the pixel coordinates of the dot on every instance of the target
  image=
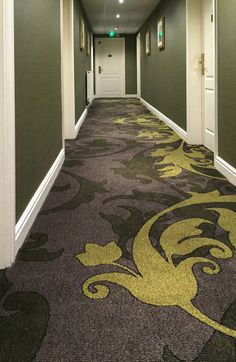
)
(139, 65)
(195, 128)
(68, 69)
(123, 93)
(215, 83)
(7, 134)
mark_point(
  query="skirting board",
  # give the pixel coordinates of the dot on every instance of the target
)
(80, 121)
(28, 217)
(131, 96)
(120, 97)
(226, 169)
(169, 122)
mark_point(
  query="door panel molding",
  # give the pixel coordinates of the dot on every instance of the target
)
(7, 134)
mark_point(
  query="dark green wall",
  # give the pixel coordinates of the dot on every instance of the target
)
(130, 61)
(163, 73)
(82, 62)
(131, 64)
(227, 80)
(38, 94)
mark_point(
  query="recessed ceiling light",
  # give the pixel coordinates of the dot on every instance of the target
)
(118, 16)
(121, 1)
(116, 28)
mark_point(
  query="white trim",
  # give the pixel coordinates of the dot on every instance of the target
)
(92, 64)
(168, 121)
(7, 133)
(90, 86)
(130, 96)
(124, 96)
(92, 53)
(80, 122)
(226, 169)
(216, 83)
(139, 65)
(194, 77)
(62, 68)
(29, 215)
(68, 69)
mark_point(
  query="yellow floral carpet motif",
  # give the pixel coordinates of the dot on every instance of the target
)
(173, 155)
(156, 280)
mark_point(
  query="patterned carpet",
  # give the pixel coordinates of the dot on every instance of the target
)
(132, 256)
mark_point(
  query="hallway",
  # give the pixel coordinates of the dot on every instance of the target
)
(137, 204)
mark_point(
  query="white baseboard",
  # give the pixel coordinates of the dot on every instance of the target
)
(131, 96)
(169, 122)
(29, 215)
(80, 121)
(124, 96)
(226, 169)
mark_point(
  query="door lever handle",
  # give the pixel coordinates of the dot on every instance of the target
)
(100, 69)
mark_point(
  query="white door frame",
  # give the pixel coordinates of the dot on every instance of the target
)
(92, 52)
(139, 65)
(216, 154)
(194, 78)
(92, 64)
(123, 77)
(68, 69)
(7, 134)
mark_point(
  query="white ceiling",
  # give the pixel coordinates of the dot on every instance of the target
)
(133, 13)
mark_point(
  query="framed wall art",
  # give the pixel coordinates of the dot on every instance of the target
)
(161, 33)
(148, 42)
(81, 34)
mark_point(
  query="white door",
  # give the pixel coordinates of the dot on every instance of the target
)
(208, 71)
(110, 67)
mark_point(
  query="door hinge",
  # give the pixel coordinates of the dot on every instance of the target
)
(212, 18)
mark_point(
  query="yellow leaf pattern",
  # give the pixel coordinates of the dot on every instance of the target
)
(96, 254)
(227, 221)
(159, 281)
(174, 159)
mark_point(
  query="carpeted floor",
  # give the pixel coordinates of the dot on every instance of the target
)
(132, 256)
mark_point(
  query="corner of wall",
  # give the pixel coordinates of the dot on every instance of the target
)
(182, 133)
(226, 169)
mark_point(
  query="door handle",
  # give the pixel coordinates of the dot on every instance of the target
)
(202, 62)
(99, 69)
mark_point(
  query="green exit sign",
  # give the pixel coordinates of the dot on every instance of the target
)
(112, 34)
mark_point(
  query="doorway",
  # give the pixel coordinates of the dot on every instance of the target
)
(139, 65)
(110, 67)
(201, 73)
(68, 81)
(207, 63)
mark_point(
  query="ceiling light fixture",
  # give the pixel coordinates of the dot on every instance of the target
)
(118, 16)
(121, 1)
